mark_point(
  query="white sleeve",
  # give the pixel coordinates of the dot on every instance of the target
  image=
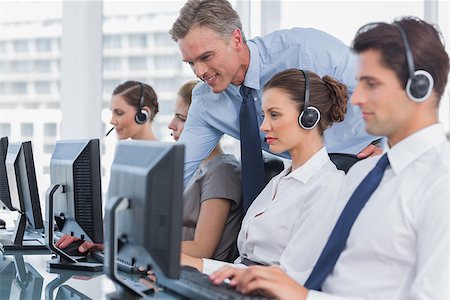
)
(211, 265)
(432, 275)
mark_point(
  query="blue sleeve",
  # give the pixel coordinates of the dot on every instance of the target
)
(199, 138)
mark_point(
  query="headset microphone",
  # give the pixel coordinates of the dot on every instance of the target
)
(420, 82)
(310, 116)
(141, 114)
(109, 131)
(265, 139)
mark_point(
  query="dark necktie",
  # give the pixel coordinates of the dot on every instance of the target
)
(338, 237)
(251, 156)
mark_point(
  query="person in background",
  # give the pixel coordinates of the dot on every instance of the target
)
(294, 208)
(398, 247)
(134, 106)
(212, 211)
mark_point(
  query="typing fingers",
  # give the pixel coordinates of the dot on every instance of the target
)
(226, 272)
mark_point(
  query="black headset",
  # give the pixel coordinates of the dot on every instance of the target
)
(141, 114)
(310, 115)
(420, 83)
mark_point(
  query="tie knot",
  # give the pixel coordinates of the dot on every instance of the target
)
(245, 91)
(383, 162)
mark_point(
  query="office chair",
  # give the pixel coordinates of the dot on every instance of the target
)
(272, 167)
(343, 161)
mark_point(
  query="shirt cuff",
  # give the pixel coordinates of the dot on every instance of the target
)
(211, 265)
(315, 295)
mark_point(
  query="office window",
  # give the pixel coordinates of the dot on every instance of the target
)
(42, 66)
(112, 64)
(19, 88)
(21, 66)
(48, 148)
(43, 45)
(137, 40)
(166, 85)
(3, 47)
(46, 170)
(20, 46)
(5, 129)
(112, 42)
(137, 63)
(163, 39)
(42, 87)
(109, 86)
(166, 107)
(27, 129)
(4, 67)
(50, 130)
(168, 62)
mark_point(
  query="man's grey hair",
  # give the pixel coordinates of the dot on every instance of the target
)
(217, 15)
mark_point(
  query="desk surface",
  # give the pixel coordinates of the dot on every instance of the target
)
(25, 276)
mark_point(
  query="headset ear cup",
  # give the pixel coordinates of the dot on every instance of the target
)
(310, 118)
(420, 86)
(141, 117)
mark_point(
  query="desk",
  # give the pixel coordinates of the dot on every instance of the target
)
(24, 276)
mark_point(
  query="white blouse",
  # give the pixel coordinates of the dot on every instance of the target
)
(293, 204)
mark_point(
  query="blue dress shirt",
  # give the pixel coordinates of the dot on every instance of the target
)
(211, 115)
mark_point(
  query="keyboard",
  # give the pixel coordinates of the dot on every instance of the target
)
(196, 285)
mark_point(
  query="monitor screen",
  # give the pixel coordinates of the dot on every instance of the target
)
(22, 183)
(150, 175)
(5, 198)
(75, 165)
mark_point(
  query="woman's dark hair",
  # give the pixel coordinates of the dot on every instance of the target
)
(131, 92)
(426, 45)
(326, 94)
(185, 91)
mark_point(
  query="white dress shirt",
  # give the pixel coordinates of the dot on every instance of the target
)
(295, 202)
(398, 247)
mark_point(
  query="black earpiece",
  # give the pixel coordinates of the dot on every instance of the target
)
(141, 115)
(420, 83)
(310, 116)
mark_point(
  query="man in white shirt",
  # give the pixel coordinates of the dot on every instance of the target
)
(398, 247)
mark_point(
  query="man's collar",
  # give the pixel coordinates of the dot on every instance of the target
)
(252, 76)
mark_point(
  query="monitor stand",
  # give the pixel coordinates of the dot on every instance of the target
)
(125, 289)
(63, 260)
(23, 239)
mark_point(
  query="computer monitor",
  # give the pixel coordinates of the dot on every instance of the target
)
(5, 198)
(144, 208)
(74, 199)
(28, 233)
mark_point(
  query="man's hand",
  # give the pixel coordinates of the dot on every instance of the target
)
(370, 150)
(66, 240)
(269, 281)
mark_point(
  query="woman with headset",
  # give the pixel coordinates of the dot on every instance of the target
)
(212, 211)
(133, 106)
(296, 206)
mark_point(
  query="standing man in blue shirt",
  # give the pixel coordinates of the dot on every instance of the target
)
(210, 38)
